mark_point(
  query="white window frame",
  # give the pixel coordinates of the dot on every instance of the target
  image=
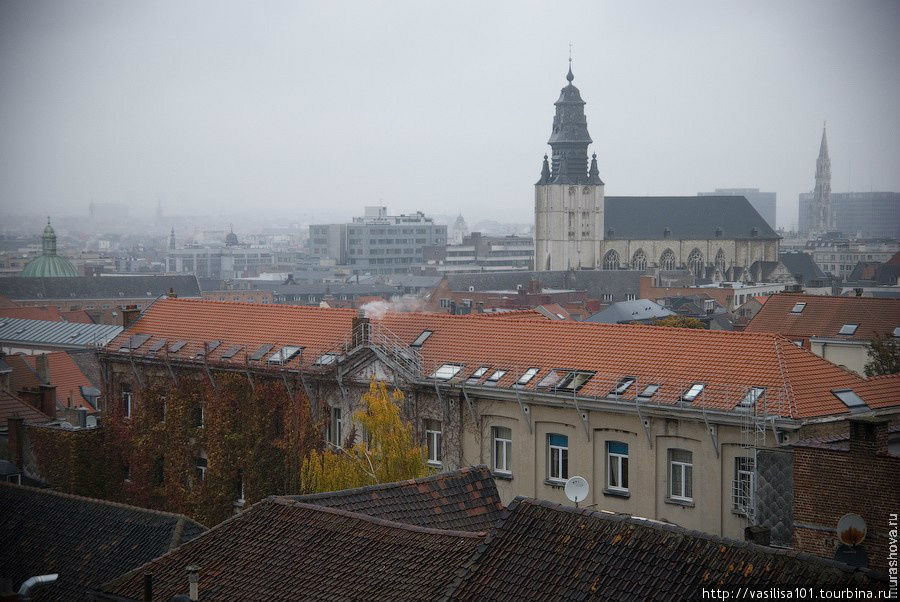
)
(527, 376)
(744, 472)
(433, 443)
(336, 427)
(693, 392)
(446, 371)
(683, 478)
(501, 450)
(618, 460)
(201, 470)
(126, 401)
(555, 466)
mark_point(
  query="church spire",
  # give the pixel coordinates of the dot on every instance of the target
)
(569, 138)
(822, 193)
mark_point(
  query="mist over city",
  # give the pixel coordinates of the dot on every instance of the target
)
(456, 301)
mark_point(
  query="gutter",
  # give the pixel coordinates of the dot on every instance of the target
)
(25, 589)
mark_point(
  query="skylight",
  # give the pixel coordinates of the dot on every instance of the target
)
(284, 355)
(421, 339)
(848, 329)
(897, 331)
(494, 378)
(752, 396)
(623, 385)
(692, 393)
(798, 308)
(176, 346)
(157, 345)
(133, 342)
(551, 379)
(649, 391)
(476, 376)
(231, 352)
(446, 372)
(526, 378)
(574, 380)
(326, 359)
(259, 353)
(851, 400)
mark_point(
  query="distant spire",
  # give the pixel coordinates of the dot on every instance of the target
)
(594, 173)
(823, 146)
(545, 171)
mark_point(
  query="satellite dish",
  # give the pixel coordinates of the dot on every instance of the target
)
(851, 529)
(577, 489)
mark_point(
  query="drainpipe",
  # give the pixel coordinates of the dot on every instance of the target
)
(25, 589)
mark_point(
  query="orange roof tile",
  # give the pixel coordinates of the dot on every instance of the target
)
(32, 313)
(13, 407)
(79, 315)
(798, 382)
(67, 377)
(23, 375)
(823, 316)
(880, 391)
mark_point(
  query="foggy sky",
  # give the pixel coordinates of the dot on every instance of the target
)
(438, 106)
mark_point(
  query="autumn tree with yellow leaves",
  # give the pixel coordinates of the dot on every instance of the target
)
(386, 452)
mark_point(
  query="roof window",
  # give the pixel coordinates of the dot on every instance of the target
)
(326, 359)
(526, 377)
(623, 386)
(692, 393)
(476, 376)
(648, 392)
(848, 329)
(798, 308)
(176, 346)
(753, 395)
(259, 353)
(851, 400)
(231, 352)
(494, 378)
(208, 348)
(421, 338)
(446, 372)
(897, 331)
(574, 380)
(285, 354)
(549, 380)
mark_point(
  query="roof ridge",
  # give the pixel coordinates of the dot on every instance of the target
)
(73, 496)
(286, 501)
(276, 306)
(392, 485)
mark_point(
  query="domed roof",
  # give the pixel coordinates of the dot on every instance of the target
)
(49, 263)
(231, 239)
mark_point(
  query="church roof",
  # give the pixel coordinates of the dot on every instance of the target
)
(685, 218)
(49, 263)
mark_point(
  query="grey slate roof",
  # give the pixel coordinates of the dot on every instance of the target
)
(619, 283)
(801, 266)
(86, 541)
(65, 335)
(687, 217)
(98, 287)
(630, 311)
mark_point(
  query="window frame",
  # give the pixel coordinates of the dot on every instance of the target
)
(506, 446)
(622, 386)
(691, 398)
(741, 470)
(684, 479)
(448, 367)
(527, 377)
(619, 459)
(494, 378)
(561, 473)
(566, 382)
(335, 427)
(127, 396)
(434, 452)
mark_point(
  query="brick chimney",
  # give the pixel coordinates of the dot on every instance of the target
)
(48, 400)
(130, 314)
(868, 436)
(42, 367)
(360, 329)
(16, 440)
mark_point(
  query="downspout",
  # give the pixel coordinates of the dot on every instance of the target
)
(25, 588)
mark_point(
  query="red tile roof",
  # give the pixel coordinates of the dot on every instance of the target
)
(798, 382)
(23, 375)
(823, 316)
(13, 407)
(47, 312)
(67, 377)
(880, 391)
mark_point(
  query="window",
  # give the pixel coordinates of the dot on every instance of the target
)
(848, 329)
(502, 438)
(630, 297)
(611, 261)
(742, 486)
(446, 372)
(14, 478)
(557, 457)
(681, 474)
(494, 378)
(335, 428)
(798, 308)
(606, 297)
(198, 415)
(616, 466)
(202, 464)
(752, 396)
(639, 260)
(476, 376)
(421, 339)
(326, 359)
(692, 393)
(851, 400)
(648, 392)
(574, 381)
(285, 354)
(433, 438)
(445, 303)
(622, 386)
(126, 401)
(526, 378)
(551, 379)
(897, 331)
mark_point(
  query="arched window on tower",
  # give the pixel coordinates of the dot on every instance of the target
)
(695, 263)
(720, 261)
(611, 261)
(639, 260)
(667, 260)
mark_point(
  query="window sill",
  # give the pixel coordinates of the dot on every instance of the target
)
(740, 513)
(616, 493)
(435, 464)
(685, 503)
(503, 476)
(556, 484)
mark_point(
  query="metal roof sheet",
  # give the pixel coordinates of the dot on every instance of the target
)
(59, 334)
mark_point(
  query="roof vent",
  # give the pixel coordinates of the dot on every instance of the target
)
(667, 233)
(718, 232)
(611, 232)
(754, 231)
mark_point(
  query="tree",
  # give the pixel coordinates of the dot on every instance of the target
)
(386, 452)
(885, 353)
(676, 322)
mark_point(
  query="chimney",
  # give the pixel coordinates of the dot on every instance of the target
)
(171, 294)
(42, 367)
(48, 400)
(130, 315)
(193, 572)
(82, 417)
(868, 436)
(360, 329)
(16, 439)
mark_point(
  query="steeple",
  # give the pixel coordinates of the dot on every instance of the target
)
(48, 240)
(569, 139)
(545, 172)
(822, 192)
(172, 239)
(594, 173)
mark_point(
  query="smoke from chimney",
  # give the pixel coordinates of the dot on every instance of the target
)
(398, 303)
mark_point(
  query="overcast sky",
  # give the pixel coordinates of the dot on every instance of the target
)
(438, 106)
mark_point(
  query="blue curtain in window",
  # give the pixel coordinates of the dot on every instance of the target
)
(560, 440)
(616, 447)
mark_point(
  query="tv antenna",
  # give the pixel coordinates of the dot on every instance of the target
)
(577, 489)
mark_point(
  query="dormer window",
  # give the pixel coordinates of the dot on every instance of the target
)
(692, 393)
(848, 329)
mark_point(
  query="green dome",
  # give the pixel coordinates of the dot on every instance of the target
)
(49, 263)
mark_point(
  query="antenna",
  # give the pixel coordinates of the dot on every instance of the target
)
(577, 489)
(851, 529)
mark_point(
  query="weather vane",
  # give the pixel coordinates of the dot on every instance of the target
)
(570, 53)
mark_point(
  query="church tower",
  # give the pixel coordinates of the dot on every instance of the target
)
(568, 199)
(823, 219)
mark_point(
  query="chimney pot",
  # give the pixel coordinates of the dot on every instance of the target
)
(130, 315)
(48, 400)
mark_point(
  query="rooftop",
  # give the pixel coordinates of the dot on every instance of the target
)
(21, 332)
(98, 287)
(13, 407)
(630, 311)
(86, 541)
(823, 316)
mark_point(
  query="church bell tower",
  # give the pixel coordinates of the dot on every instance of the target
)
(568, 199)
